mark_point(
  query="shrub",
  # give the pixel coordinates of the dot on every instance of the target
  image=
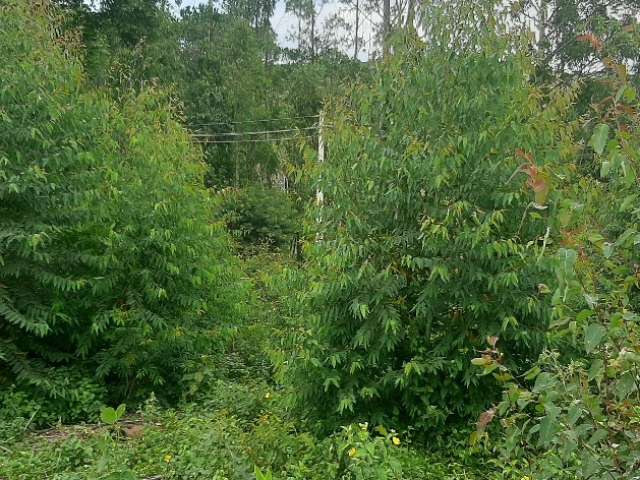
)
(260, 216)
(433, 235)
(576, 414)
(109, 257)
(74, 396)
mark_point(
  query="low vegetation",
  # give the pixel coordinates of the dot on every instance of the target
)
(452, 294)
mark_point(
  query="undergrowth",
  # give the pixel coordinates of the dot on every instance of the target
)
(234, 422)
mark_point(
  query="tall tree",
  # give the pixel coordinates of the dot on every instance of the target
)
(106, 240)
(386, 26)
(257, 12)
(573, 35)
(131, 21)
(306, 12)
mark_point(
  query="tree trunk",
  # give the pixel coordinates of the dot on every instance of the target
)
(411, 15)
(355, 40)
(313, 32)
(542, 25)
(386, 26)
(299, 30)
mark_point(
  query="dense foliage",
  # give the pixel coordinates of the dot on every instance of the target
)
(111, 262)
(460, 303)
(261, 216)
(429, 244)
(576, 413)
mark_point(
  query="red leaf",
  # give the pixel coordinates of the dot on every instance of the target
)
(485, 419)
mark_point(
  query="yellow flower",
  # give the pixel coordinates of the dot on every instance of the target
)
(396, 441)
(267, 395)
(352, 452)
(168, 457)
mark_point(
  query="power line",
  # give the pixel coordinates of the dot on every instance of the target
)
(255, 140)
(251, 121)
(259, 132)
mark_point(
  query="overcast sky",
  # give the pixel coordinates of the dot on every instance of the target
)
(285, 23)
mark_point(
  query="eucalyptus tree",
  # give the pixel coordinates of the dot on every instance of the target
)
(572, 35)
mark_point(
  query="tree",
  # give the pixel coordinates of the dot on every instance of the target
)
(428, 246)
(226, 80)
(131, 21)
(111, 266)
(575, 413)
(571, 33)
(257, 12)
(386, 25)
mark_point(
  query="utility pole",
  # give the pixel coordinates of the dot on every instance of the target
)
(386, 26)
(319, 194)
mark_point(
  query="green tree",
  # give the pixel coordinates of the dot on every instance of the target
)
(432, 234)
(570, 35)
(111, 264)
(576, 414)
(226, 80)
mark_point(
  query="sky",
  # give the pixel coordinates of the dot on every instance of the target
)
(284, 24)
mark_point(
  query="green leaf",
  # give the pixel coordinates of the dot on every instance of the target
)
(625, 385)
(574, 414)
(569, 445)
(630, 94)
(595, 237)
(593, 336)
(545, 381)
(480, 361)
(548, 427)
(598, 436)
(596, 370)
(108, 415)
(532, 373)
(628, 202)
(260, 475)
(120, 411)
(589, 463)
(599, 138)
(584, 315)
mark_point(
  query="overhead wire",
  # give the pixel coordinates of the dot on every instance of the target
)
(255, 140)
(259, 132)
(200, 135)
(240, 122)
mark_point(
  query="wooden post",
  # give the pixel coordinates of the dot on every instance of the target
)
(319, 194)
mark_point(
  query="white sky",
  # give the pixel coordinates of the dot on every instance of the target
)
(285, 23)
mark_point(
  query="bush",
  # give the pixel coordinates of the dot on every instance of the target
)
(259, 216)
(109, 257)
(74, 397)
(433, 236)
(576, 414)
